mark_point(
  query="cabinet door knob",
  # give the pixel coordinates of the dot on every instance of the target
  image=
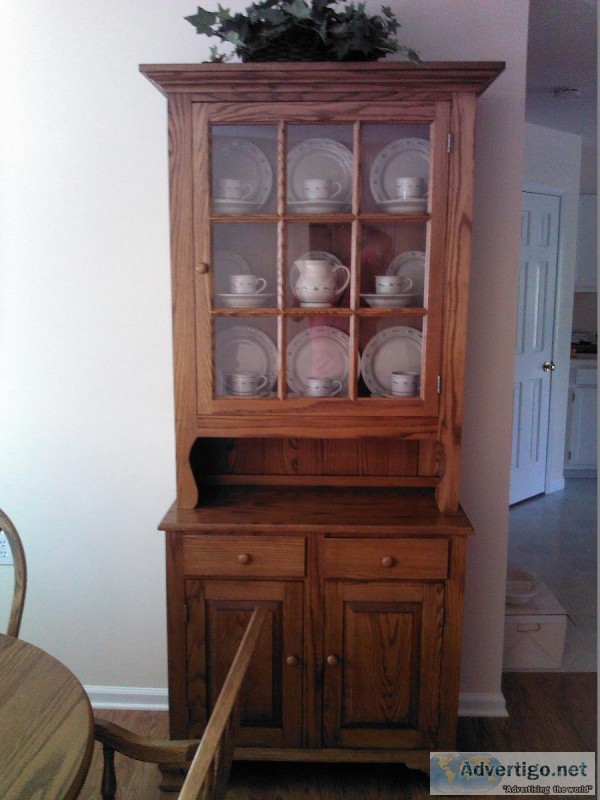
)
(292, 661)
(202, 268)
(332, 660)
(244, 558)
(387, 561)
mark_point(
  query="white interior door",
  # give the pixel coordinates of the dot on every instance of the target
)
(533, 368)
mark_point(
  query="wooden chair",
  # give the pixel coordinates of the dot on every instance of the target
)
(212, 755)
(20, 574)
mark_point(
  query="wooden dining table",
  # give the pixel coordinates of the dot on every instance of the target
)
(46, 725)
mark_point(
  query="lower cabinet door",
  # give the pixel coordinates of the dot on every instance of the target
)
(382, 664)
(218, 612)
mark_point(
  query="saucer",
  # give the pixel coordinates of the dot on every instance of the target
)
(227, 206)
(244, 300)
(389, 300)
(318, 206)
(416, 205)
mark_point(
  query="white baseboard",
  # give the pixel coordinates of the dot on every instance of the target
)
(128, 697)
(482, 705)
(147, 699)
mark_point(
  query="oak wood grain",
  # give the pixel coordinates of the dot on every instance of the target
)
(46, 725)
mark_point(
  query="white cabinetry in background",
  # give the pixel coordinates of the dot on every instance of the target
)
(586, 270)
(581, 444)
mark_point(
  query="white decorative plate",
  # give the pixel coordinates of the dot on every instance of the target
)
(244, 348)
(319, 158)
(390, 350)
(318, 352)
(323, 255)
(226, 264)
(416, 206)
(241, 159)
(390, 300)
(318, 206)
(258, 300)
(412, 265)
(401, 159)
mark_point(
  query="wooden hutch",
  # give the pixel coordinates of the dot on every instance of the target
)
(339, 514)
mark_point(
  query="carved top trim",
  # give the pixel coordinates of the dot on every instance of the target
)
(334, 81)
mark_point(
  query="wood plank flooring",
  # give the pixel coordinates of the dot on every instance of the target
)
(547, 712)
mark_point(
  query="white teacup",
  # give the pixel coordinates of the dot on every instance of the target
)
(323, 387)
(392, 284)
(245, 384)
(410, 188)
(233, 189)
(404, 384)
(321, 189)
(246, 284)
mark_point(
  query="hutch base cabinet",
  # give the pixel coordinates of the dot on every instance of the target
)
(360, 659)
(320, 229)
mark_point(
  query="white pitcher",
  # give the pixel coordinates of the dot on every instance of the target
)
(318, 282)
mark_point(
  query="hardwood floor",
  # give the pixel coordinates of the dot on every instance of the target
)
(548, 712)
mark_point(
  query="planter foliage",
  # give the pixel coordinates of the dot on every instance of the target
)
(303, 30)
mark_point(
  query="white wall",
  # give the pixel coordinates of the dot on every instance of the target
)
(552, 165)
(86, 424)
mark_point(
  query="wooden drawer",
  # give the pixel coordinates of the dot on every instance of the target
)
(386, 558)
(244, 556)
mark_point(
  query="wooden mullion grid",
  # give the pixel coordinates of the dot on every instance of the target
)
(281, 258)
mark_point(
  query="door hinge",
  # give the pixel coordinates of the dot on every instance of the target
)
(449, 143)
(439, 384)
(569, 455)
(189, 712)
(443, 620)
(572, 397)
(186, 612)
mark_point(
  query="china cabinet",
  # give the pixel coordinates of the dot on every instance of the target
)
(320, 228)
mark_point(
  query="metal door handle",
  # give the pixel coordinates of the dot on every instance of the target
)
(549, 366)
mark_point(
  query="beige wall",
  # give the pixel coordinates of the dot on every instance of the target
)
(86, 426)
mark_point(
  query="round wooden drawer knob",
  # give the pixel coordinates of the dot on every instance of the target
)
(244, 558)
(332, 660)
(292, 661)
(202, 268)
(387, 561)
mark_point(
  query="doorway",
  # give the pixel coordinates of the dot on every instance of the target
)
(540, 218)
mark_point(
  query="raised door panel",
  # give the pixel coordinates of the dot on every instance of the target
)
(218, 613)
(382, 664)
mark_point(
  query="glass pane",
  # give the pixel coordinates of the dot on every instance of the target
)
(245, 265)
(391, 357)
(319, 169)
(244, 169)
(393, 264)
(317, 357)
(246, 362)
(395, 168)
(318, 265)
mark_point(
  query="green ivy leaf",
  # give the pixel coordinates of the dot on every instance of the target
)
(203, 20)
(297, 9)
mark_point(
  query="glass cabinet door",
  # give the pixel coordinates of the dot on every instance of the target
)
(325, 244)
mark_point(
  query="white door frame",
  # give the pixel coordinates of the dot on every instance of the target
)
(558, 333)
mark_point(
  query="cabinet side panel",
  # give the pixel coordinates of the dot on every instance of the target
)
(452, 645)
(460, 205)
(176, 638)
(182, 263)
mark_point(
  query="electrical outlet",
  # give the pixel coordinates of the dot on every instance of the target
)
(5, 551)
